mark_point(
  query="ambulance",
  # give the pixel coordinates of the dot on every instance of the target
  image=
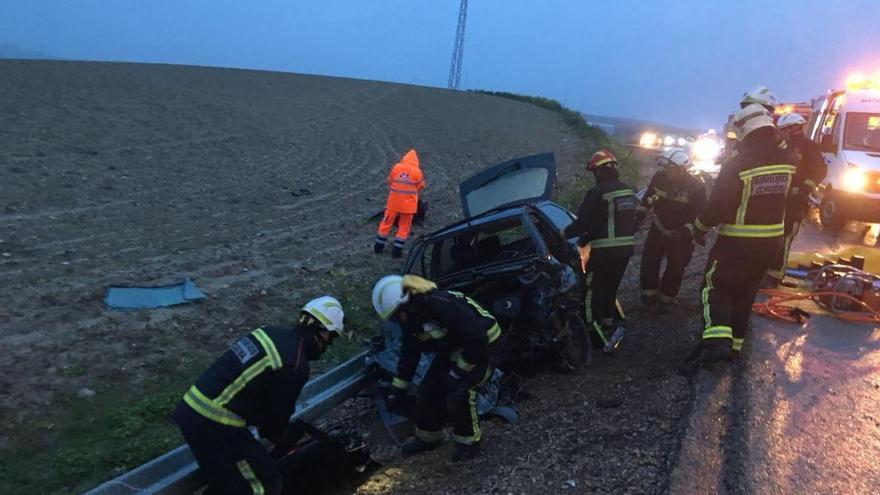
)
(846, 125)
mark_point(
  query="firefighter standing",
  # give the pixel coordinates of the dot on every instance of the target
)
(811, 170)
(404, 183)
(606, 220)
(254, 383)
(761, 95)
(676, 198)
(747, 206)
(466, 340)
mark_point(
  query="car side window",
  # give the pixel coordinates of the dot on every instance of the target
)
(831, 126)
(559, 247)
(558, 216)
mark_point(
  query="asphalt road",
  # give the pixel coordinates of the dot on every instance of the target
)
(800, 413)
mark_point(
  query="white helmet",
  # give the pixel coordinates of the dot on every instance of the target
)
(749, 119)
(760, 95)
(675, 157)
(790, 119)
(388, 295)
(328, 311)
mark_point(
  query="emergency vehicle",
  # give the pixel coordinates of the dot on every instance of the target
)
(846, 125)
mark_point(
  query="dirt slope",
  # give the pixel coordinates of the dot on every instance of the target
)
(144, 174)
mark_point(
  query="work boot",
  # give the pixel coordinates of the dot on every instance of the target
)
(613, 343)
(415, 445)
(378, 247)
(465, 451)
(706, 354)
(396, 252)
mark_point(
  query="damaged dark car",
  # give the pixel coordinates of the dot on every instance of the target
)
(508, 254)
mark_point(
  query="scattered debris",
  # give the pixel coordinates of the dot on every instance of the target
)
(127, 297)
(85, 393)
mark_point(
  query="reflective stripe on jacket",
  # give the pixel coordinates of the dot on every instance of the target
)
(256, 382)
(748, 200)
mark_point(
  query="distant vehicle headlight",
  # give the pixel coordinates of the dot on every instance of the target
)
(706, 150)
(648, 140)
(668, 141)
(854, 179)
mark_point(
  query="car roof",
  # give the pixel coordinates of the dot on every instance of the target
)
(862, 101)
(487, 218)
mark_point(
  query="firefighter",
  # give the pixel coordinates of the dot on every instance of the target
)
(811, 170)
(466, 340)
(761, 95)
(255, 383)
(676, 198)
(747, 205)
(606, 221)
(404, 183)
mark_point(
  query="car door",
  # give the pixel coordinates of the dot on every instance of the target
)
(522, 180)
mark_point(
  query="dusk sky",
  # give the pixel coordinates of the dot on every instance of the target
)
(674, 61)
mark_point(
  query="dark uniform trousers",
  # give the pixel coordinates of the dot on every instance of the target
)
(229, 456)
(677, 251)
(605, 270)
(794, 215)
(733, 275)
(460, 403)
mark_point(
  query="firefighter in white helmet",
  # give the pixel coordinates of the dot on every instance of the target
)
(676, 197)
(811, 170)
(255, 383)
(467, 343)
(747, 206)
(761, 95)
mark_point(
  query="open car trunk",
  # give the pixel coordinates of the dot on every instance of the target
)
(522, 180)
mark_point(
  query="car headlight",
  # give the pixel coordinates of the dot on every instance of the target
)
(854, 179)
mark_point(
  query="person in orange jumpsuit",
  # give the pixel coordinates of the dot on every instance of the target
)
(404, 183)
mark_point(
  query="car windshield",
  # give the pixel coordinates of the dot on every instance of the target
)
(501, 241)
(862, 132)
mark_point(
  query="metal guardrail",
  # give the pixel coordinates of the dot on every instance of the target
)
(176, 472)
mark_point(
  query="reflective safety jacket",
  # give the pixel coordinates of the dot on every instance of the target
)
(404, 183)
(450, 324)
(607, 216)
(256, 382)
(675, 199)
(749, 196)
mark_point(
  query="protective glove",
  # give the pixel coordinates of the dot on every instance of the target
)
(397, 401)
(289, 438)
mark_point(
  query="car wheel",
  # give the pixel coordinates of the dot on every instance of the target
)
(576, 350)
(831, 215)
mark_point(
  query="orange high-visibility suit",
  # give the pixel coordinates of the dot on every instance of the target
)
(404, 183)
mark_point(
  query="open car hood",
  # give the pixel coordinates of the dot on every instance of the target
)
(521, 180)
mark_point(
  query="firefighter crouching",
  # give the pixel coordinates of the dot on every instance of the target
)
(747, 205)
(467, 343)
(405, 180)
(811, 170)
(676, 197)
(606, 220)
(255, 383)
